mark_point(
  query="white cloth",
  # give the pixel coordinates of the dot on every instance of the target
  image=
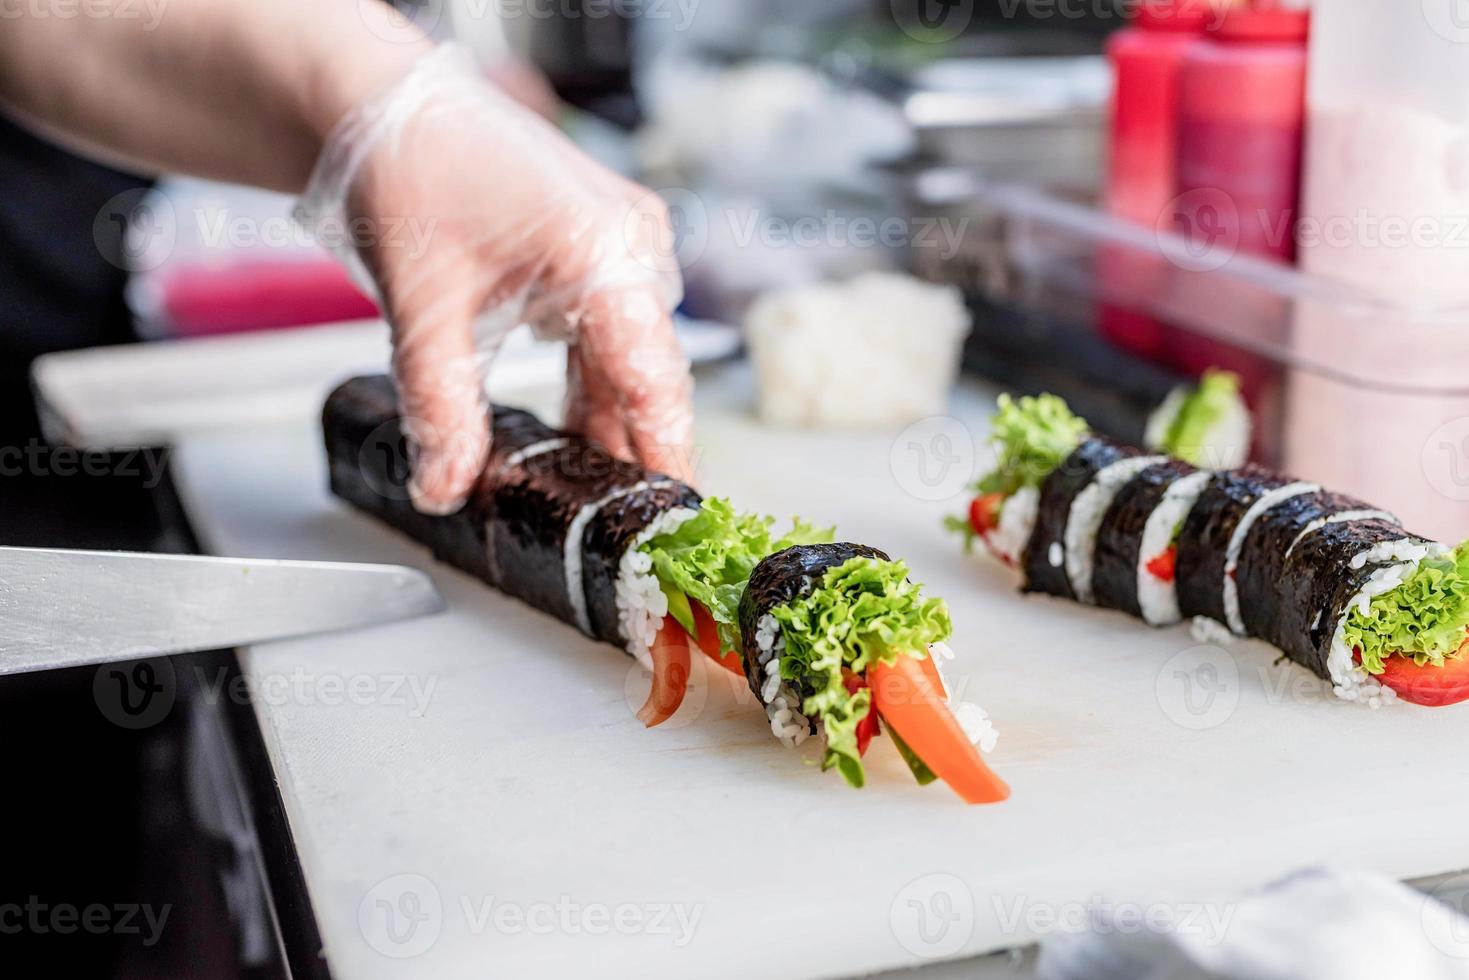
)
(1317, 924)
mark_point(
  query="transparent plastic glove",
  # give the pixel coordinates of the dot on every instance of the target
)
(468, 215)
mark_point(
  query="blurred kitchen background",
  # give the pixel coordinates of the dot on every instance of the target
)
(1125, 192)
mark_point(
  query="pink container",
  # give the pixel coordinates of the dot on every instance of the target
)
(1241, 106)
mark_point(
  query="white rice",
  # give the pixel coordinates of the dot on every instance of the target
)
(817, 347)
(641, 604)
(1157, 598)
(515, 459)
(571, 551)
(1017, 522)
(1155, 433)
(1226, 444)
(972, 718)
(1342, 517)
(978, 727)
(1206, 630)
(1266, 501)
(1399, 549)
(1084, 519)
(1348, 680)
(782, 706)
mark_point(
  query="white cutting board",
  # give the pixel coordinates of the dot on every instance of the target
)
(528, 786)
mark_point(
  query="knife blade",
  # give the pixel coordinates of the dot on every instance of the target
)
(62, 608)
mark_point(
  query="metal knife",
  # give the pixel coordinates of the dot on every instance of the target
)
(67, 608)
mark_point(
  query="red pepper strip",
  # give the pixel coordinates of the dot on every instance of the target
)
(1162, 566)
(984, 513)
(908, 697)
(708, 641)
(1431, 686)
(869, 726)
(670, 673)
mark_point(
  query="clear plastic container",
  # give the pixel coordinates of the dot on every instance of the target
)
(1358, 393)
(1387, 172)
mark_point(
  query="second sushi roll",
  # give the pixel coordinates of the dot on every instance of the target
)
(1336, 584)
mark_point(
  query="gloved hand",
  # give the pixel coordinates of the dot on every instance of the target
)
(468, 215)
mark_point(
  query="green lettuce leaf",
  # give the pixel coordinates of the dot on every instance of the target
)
(917, 766)
(1033, 436)
(1187, 435)
(1424, 618)
(962, 527)
(709, 559)
(862, 612)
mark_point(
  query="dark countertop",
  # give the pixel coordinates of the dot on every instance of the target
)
(125, 866)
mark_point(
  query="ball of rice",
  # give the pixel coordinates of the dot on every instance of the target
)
(878, 350)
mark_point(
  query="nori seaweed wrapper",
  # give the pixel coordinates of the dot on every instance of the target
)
(367, 460)
(781, 577)
(1203, 543)
(530, 510)
(1120, 539)
(512, 530)
(1316, 584)
(1262, 558)
(608, 536)
(1060, 488)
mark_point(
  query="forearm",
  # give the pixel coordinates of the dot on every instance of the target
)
(217, 88)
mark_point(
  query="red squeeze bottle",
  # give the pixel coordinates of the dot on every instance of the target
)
(1240, 126)
(1147, 61)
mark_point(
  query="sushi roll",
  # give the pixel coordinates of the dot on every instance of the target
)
(1059, 559)
(1336, 584)
(1327, 582)
(550, 523)
(1213, 535)
(1207, 424)
(835, 638)
(1137, 544)
(628, 557)
(1276, 536)
(642, 562)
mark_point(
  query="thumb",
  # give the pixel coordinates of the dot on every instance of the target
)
(441, 395)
